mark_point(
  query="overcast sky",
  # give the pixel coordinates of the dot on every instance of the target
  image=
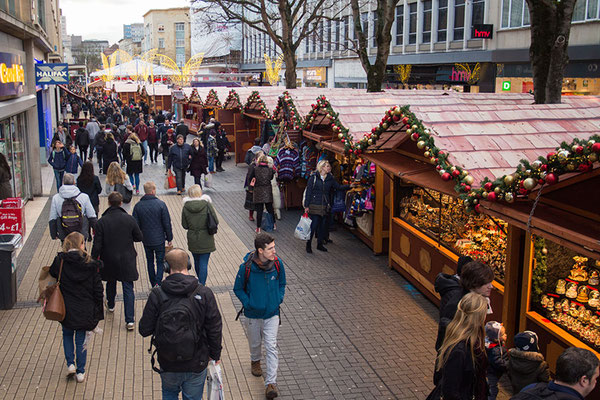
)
(104, 19)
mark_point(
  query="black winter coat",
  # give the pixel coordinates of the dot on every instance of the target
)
(110, 153)
(82, 137)
(263, 191)
(133, 167)
(92, 191)
(319, 192)
(152, 216)
(182, 129)
(179, 156)
(116, 232)
(550, 391)
(460, 379)
(525, 368)
(497, 359)
(451, 291)
(82, 290)
(177, 287)
(199, 162)
(100, 139)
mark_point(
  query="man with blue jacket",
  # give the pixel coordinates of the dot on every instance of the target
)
(260, 286)
(152, 216)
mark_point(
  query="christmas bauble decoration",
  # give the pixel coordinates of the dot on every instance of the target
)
(596, 148)
(469, 180)
(397, 112)
(467, 188)
(340, 135)
(414, 137)
(579, 150)
(426, 154)
(477, 208)
(455, 173)
(536, 164)
(420, 144)
(593, 157)
(427, 131)
(491, 196)
(414, 127)
(484, 195)
(396, 118)
(488, 186)
(544, 251)
(441, 172)
(446, 176)
(570, 167)
(438, 167)
(497, 190)
(574, 148)
(551, 178)
(409, 131)
(432, 160)
(584, 167)
(405, 120)
(550, 155)
(508, 180)
(384, 126)
(509, 197)
(529, 183)
(370, 141)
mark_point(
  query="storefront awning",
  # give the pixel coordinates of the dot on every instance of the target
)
(63, 87)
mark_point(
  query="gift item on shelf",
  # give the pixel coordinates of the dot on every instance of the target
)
(561, 286)
(571, 290)
(579, 271)
(594, 278)
(594, 299)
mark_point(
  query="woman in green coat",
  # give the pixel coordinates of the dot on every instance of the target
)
(194, 218)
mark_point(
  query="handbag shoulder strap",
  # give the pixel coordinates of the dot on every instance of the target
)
(60, 271)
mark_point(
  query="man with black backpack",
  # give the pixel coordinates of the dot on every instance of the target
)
(260, 286)
(70, 211)
(185, 323)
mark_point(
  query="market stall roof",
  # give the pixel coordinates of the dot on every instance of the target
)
(212, 99)
(98, 83)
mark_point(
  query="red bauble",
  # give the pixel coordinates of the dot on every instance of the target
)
(446, 176)
(550, 155)
(579, 150)
(544, 167)
(523, 191)
(585, 167)
(441, 153)
(405, 120)
(415, 136)
(491, 196)
(488, 186)
(350, 151)
(373, 130)
(396, 118)
(477, 208)
(467, 188)
(596, 147)
(551, 179)
(456, 173)
(541, 181)
(439, 167)
(313, 106)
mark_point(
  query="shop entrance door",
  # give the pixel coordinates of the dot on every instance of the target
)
(12, 146)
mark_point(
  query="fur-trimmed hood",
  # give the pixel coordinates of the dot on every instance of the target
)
(204, 197)
(526, 355)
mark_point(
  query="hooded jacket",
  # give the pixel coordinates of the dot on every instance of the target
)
(58, 159)
(82, 137)
(451, 291)
(194, 219)
(497, 358)
(179, 286)
(73, 163)
(82, 290)
(263, 192)
(116, 233)
(87, 209)
(525, 368)
(152, 216)
(265, 288)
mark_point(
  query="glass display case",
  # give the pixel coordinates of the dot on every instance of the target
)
(442, 218)
(565, 290)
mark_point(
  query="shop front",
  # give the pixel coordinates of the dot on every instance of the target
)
(315, 77)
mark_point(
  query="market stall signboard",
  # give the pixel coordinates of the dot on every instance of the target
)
(12, 75)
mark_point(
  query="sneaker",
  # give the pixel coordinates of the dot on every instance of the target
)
(257, 230)
(71, 370)
(137, 192)
(81, 378)
(255, 368)
(271, 391)
(130, 326)
(111, 310)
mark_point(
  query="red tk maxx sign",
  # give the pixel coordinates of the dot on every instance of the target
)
(483, 31)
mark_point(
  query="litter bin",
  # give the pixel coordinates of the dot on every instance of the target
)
(8, 270)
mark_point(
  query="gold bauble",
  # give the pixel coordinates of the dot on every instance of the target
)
(420, 144)
(508, 180)
(469, 179)
(397, 111)
(370, 141)
(409, 131)
(529, 183)
(593, 157)
(570, 167)
(544, 251)
(414, 127)
(509, 197)
(340, 135)
(484, 195)
(384, 126)
(426, 154)
(497, 190)
(432, 160)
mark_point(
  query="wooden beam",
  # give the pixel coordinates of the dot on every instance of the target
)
(378, 212)
(528, 261)
(512, 270)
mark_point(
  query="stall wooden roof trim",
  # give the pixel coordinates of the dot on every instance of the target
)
(212, 100)
(255, 106)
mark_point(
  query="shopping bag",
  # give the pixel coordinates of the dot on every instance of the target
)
(267, 222)
(302, 231)
(214, 382)
(208, 181)
(170, 181)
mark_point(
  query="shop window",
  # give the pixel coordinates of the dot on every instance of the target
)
(459, 20)
(12, 145)
(426, 38)
(565, 290)
(443, 219)
(400, 25)
(442, 27)
(412, 23)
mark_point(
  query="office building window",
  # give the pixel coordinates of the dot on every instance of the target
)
(346, 32)
(374, 28)
(179, 26)
(515, 13)
(364, 21)
(161, 43)
(412, 23)
(265, 36)
(442, 23)
(337, 33)
(478, 12)
(426, 21)
(328, 22)
(314, 38)
(180, 59)
(459, 20)
(585, 10)
(399, 24)
(321, 36)
(307, 44)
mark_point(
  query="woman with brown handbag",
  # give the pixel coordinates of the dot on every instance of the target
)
(83, 295)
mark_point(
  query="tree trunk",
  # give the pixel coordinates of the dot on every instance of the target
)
(289, 56)
(550, 27)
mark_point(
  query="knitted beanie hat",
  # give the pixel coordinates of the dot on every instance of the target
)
(526, 341)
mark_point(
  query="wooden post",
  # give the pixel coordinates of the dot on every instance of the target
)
(392, 209)
(526, 282)
(378, 212)
(514, 260)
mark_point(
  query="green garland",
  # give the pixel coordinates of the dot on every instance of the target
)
(541, 268)
(336, 124)
(285, 100)
(195, 97)
(212, 95)
(233, 96)
(255, 97)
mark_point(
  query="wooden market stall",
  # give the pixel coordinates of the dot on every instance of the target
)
(192, 111)
(158, 96)
(249, 124)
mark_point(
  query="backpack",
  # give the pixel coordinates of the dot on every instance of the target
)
(136, 152)
(71, 215)
(177, 334)
(247, 266)
(124, 192)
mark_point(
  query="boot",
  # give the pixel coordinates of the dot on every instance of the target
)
(255, 368)
(321, 247)
(271, 391)
(308, 247)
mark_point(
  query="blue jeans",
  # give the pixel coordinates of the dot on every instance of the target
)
(211, 164)
(70, 348)
(128, 298)
(201, 265)
(191, 384)
(59, 178)
(155, 277)
(135, 181)
(145, 146)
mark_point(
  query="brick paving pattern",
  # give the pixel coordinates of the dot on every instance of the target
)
(351, 327)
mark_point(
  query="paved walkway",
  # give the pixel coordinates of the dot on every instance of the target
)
(351, 327)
